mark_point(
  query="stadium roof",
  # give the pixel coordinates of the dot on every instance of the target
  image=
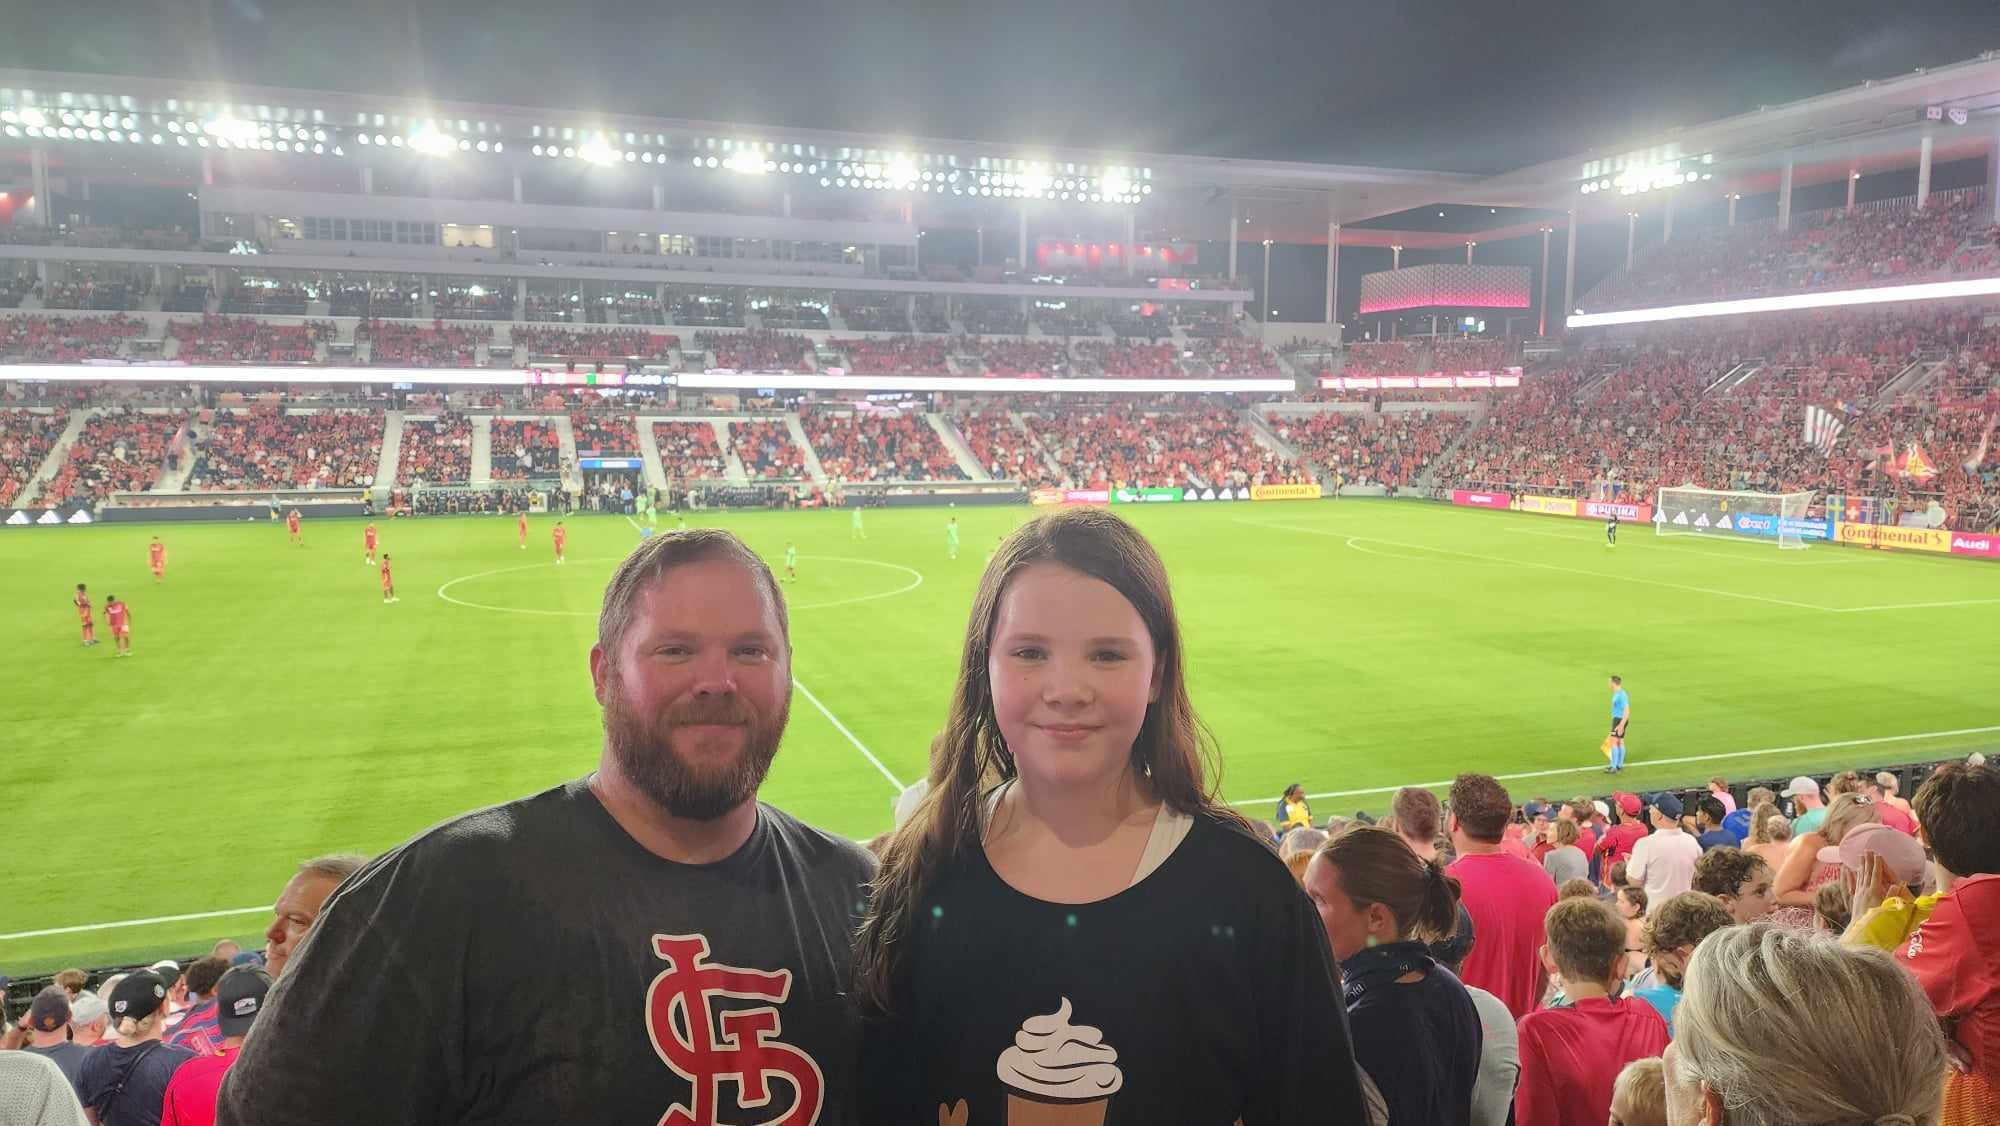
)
(1872, 127)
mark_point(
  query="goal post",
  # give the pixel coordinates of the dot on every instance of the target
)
(1734, 514)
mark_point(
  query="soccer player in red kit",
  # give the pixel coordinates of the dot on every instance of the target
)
(120, 617)
(368, 541)
(82, 601)
(292, 526)
(522, 526)
(156, 556)
(388, 584)
(562, 540)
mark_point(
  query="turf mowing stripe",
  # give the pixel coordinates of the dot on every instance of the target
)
(87, 927)
(842, 728)
(1542, 566)
(1527, 774)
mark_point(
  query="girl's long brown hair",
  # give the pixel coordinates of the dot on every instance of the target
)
(1174, 752)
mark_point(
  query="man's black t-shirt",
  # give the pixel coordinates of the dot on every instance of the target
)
(1201, 995)
(532, 963)
(142, 1072)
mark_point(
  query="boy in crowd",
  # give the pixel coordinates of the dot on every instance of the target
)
(1741, 880)
(1670, 937)
(1570, 1057)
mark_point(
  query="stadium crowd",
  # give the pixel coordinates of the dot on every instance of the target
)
(688, 450)
(1005, 450)
(435, 451)
(865, 446)
(899, 355)
(766, 450)
(65, 340)
(757, 351)
(1391, 450)
(1819, 954)
(1833, 249)
(270, 448)
(522, 447)
(1126, 446)
(26, 437)
(403, 344)
(120, 450)
(246, 340)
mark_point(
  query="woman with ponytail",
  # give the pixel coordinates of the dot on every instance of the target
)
(1416, 1030)
(1071, 928)
(124, 1083)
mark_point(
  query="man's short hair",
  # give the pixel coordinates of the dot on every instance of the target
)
(1577, 889)
(72, 981)
(1887, 782)
(204, 973)
(1586, 940)
(661, 554)
(335, 866)
(1417, 812)
(1711, 805)
(1482, 807)
(1684, 920)
(1758, 795)
(1959, 806)
(1724, 871)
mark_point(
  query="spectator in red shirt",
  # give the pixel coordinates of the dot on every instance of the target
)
(1617, 842)
(1505, 895)
(1776, 1025)
(1955, 952)
(1570, 1057)
(191, 1094)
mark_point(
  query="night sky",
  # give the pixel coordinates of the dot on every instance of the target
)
(1465, 86)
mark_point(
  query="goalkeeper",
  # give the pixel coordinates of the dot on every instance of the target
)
(1611, 528)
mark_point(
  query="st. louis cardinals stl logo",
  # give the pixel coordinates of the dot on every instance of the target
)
(737, 1045)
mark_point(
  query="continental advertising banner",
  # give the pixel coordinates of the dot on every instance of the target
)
(1303, 491)
(1145, 496)
(1552, 506)
(1894, 538)
(1468, 499)
(1042, 498)
(1086, 496)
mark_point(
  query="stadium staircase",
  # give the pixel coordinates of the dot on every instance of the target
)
(1590, 387)
(392, 450)
(1048, 458)
(482, 452)
(1921, 373)
(1262, 432)
(955, 442)
(649, 451)
(813, 468)
(58, 454)
(738, 474)
(1427, 479)
(1733, 378)
(572, 475)
(174, 477)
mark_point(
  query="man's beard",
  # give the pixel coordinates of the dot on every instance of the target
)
(645, 752)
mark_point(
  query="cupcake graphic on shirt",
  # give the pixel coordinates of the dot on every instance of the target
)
(1058, 1073)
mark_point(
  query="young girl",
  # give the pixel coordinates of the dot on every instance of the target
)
(1072, 928)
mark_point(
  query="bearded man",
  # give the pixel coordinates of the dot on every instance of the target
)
(647, 944)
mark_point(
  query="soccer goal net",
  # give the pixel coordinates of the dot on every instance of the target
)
(1688, 511)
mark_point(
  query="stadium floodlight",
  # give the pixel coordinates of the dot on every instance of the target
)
(900, 172)
(12, 130)
(631, 157)
(1116, 184)
(430, 142)
(234, 130)
(34, 118)
(748, 164)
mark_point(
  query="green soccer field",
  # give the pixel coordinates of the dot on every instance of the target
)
(276, 709)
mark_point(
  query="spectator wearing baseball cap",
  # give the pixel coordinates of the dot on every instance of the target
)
(1807, 811)
(1618, 841)
(47, 1023)
(87, 1016)
(191, 1095)
(1663, 863)
(125, 1082)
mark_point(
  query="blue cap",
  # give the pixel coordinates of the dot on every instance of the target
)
(1667, 804)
